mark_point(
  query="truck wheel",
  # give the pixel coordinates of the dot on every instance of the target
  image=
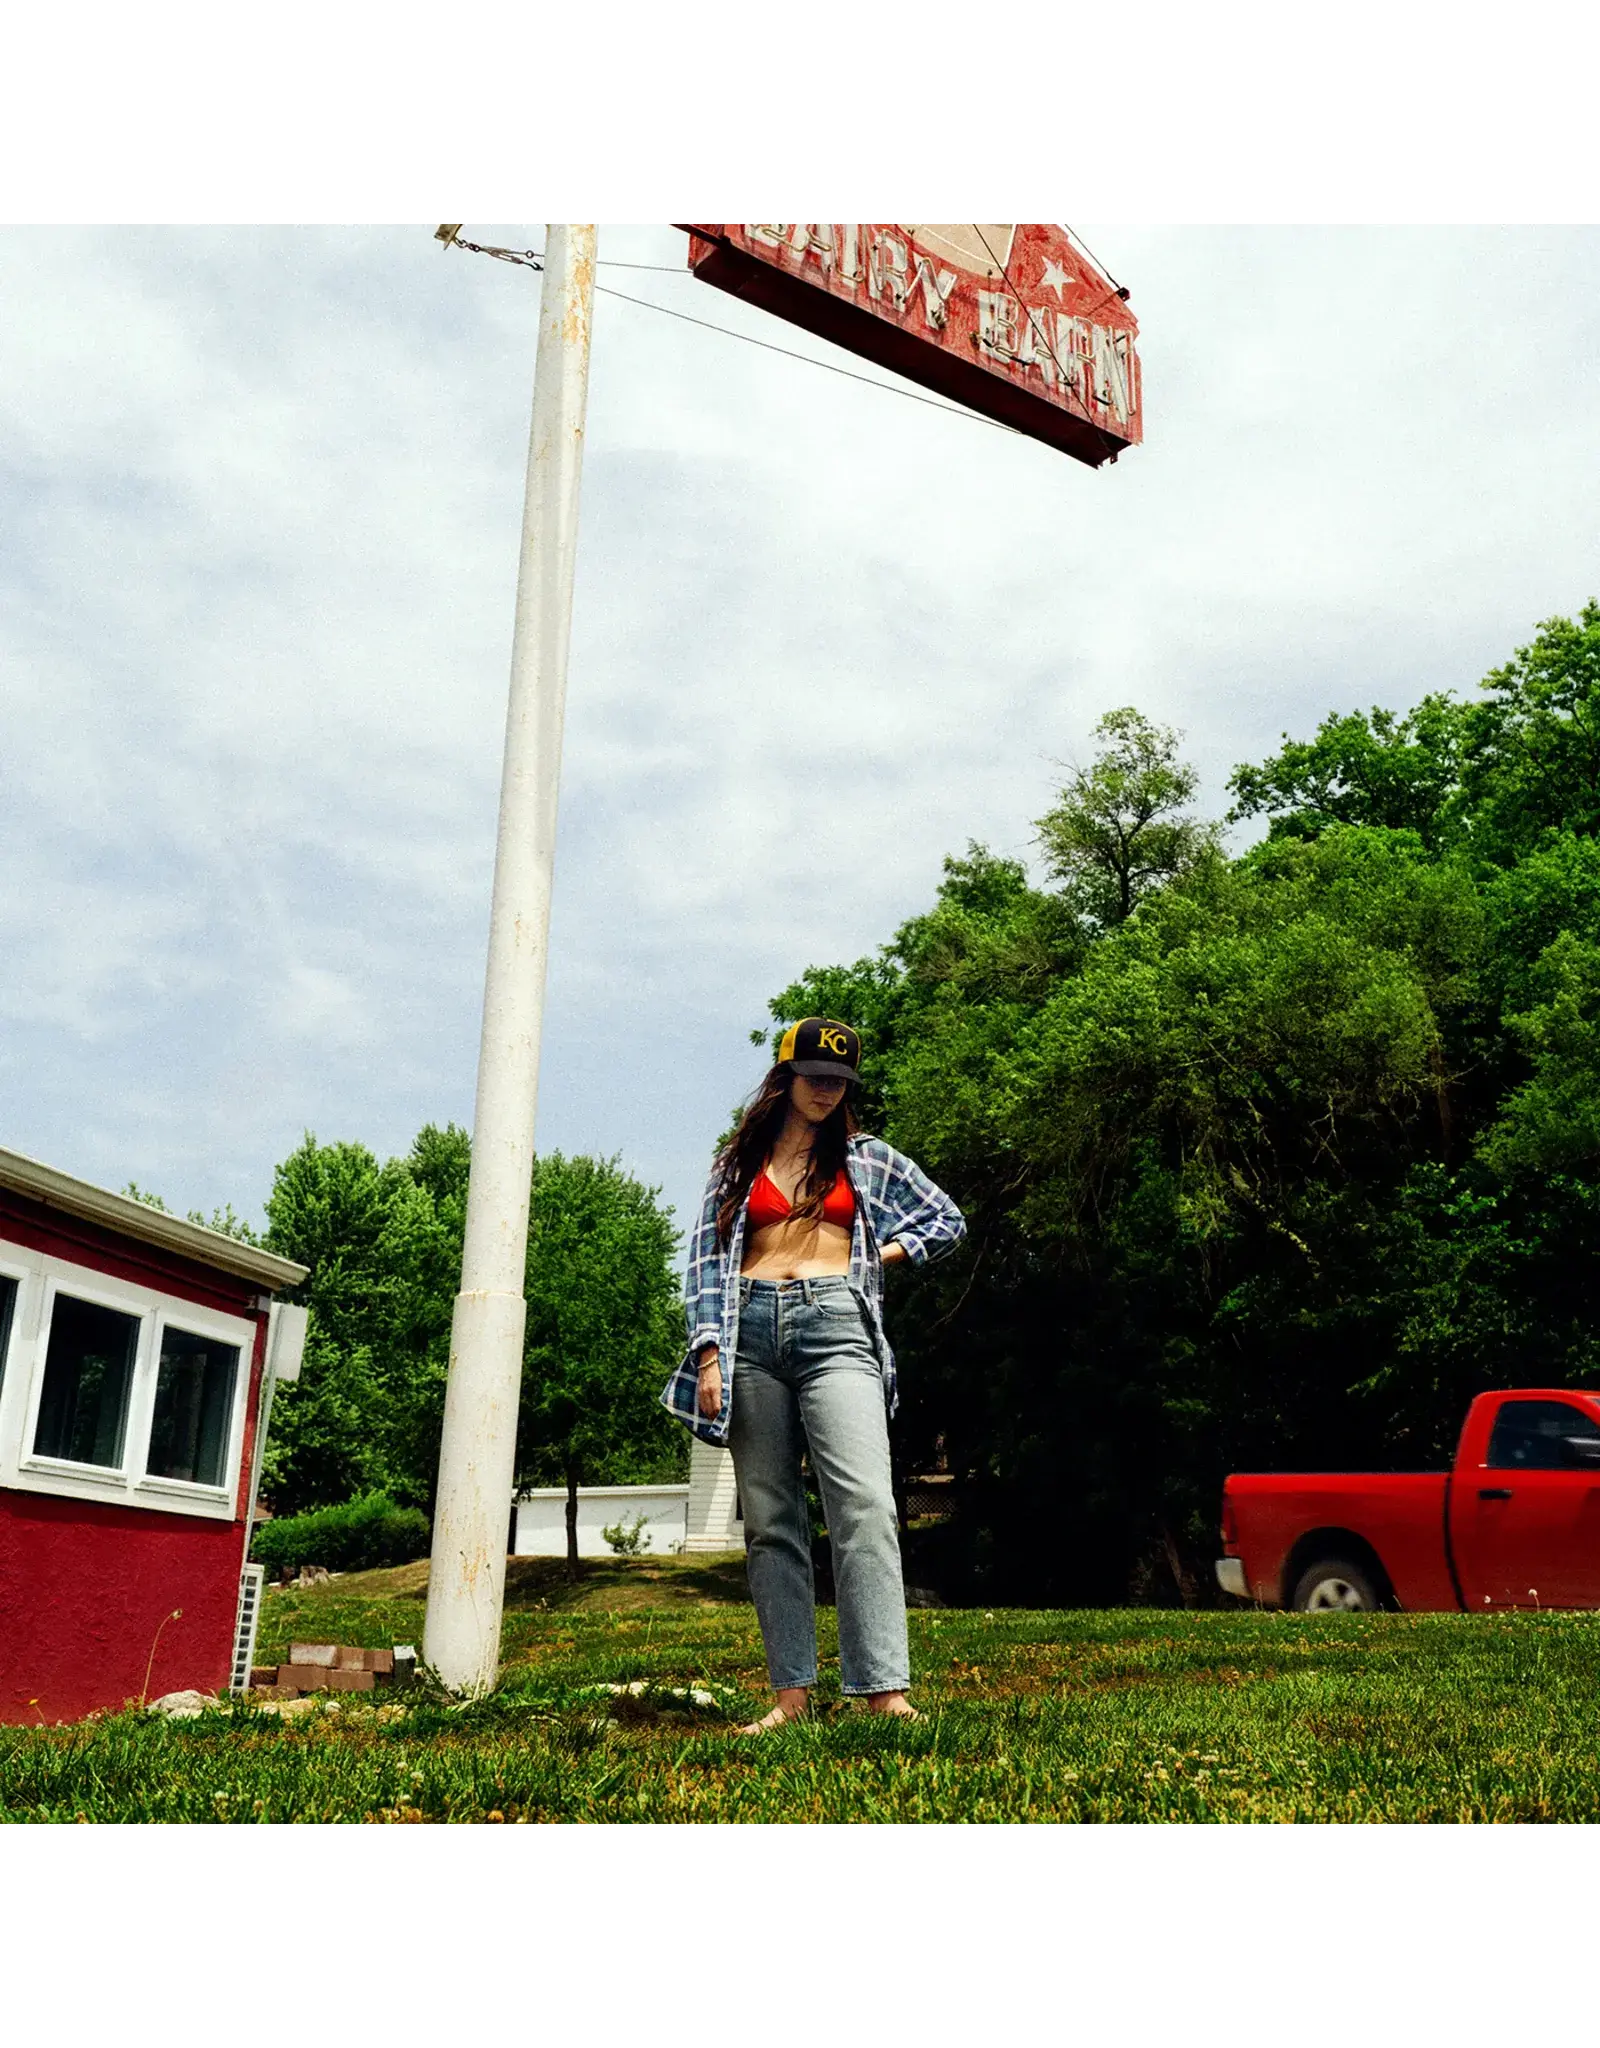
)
(1333, 1586)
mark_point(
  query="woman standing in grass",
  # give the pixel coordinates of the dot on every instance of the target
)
(787, 1355)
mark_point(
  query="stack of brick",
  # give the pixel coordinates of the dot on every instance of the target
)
(332, 1667)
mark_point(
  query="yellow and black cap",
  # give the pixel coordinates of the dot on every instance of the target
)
(821, 1049)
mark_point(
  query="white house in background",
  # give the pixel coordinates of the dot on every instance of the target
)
(714, 1521)
(700, 1518)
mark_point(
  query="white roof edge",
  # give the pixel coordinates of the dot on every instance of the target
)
(151, 1226)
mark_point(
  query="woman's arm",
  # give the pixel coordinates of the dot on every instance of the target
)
(919, 1218)
(702, 1290)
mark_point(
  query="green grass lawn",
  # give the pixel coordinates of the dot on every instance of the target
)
(1134, 1715)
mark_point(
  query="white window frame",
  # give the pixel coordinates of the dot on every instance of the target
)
(14, 1265)
(41, 1279)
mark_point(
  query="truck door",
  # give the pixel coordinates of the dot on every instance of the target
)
(1525, 1524)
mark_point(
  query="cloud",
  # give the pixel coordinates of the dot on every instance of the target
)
(259, 503)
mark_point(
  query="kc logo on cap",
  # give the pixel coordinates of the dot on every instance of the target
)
(819, 1047)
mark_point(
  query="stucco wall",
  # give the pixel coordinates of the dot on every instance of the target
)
(541, 1528)
(84, 1588)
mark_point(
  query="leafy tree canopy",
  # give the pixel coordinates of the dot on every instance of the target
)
(605, 1328)
(1494, 775)
(1362, 768)
(383, 1244)
(1119, 827)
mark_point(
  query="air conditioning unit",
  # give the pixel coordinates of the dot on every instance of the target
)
(252, 1583)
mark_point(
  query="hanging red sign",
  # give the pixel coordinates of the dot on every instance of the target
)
(1013, 322)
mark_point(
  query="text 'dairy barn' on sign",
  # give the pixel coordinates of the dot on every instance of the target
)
(1013, 321)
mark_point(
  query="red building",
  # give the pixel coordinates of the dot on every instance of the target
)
(137, 1359)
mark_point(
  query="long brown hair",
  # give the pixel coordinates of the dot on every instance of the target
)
(750, 1147)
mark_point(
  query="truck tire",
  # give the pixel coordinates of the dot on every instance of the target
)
(1334, 1585)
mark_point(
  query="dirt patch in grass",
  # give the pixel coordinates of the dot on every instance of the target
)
(1333, 1728)
(1050, 1670)
(625, 1585)
(399, 1582)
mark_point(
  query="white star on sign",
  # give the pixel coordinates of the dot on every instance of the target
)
(1055, 276)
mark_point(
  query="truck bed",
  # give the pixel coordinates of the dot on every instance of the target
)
(1281, 1518)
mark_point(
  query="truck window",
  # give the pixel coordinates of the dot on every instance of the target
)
(1544, 1436)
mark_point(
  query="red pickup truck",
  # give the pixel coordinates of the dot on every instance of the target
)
(1514, 1523)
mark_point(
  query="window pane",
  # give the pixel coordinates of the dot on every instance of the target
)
(88, 1370)
(8, 1303)
(1544, 1436)
(194, 1403)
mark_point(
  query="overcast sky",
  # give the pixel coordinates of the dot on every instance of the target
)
(259, 505)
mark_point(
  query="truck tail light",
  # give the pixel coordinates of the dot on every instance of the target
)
(1230, 1527)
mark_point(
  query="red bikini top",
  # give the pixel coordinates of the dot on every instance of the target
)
(769, 1204)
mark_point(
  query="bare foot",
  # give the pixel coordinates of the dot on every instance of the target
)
(791, 1707)
(775, 1719)
(894, 1703)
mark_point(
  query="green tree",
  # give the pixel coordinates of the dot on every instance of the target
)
(1361, 768)
(1495, 775)
(1532, 759)
(1119, 827)
(605, 1327)
(383, 1244)
(222, 1219)
(1180, 1155)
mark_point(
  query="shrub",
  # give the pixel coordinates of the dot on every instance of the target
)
(355, 1536)
(627, 1539)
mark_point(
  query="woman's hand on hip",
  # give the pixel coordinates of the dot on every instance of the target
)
(710, 1393)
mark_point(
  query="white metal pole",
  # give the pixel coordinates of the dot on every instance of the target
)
(466, 1582)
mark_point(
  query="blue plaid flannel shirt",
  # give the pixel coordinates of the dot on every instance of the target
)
(895, 1202)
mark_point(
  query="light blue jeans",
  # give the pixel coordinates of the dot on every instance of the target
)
(806, 1376)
